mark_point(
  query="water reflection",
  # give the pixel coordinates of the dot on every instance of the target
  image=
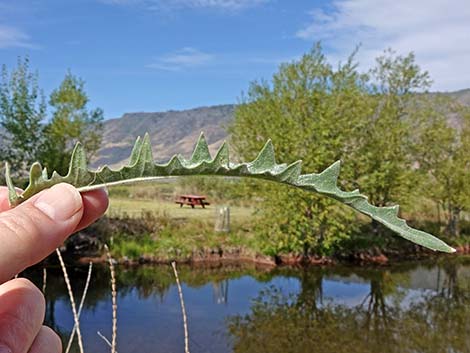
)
(418, 310)
(220, 290)
(407, 308)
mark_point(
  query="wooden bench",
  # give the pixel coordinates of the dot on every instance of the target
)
(192, 200)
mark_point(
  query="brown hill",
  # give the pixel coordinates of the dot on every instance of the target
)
(171, 132)
(462, 96)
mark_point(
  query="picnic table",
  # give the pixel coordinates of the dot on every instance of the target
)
(192, 200)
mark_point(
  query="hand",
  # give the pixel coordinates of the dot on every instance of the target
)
(28, 233)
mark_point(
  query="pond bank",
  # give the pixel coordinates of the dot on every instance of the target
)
(207, 256)
(150, 240)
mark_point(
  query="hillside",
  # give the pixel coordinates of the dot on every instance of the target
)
(171, 132)
(174, 132)
(462, 96)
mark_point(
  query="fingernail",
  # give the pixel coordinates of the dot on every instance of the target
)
(59, 203)
(5, 349)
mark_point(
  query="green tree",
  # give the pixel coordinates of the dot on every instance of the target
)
(384, 166)
(384, 163)
(442, 153)
(22, 111)
(71, 122)
(312, 112)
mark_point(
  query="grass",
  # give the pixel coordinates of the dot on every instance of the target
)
(135, 207)
(182, 241)
(158, 198)
(172, 232)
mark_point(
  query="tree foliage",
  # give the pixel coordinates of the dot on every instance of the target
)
(384, 162)
(71, 122)
(313, 110)
(442, 154)
(26, 133)
(22, 112)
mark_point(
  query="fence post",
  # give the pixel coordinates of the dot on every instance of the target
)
(222, 219)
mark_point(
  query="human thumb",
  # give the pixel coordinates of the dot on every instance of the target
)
(32, 230)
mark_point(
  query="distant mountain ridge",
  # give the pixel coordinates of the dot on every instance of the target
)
(175, 132)
(462, 96)
(171, 132)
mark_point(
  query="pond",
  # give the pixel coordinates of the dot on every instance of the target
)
(414, 307)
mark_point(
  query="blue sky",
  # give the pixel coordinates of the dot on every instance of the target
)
(154, 55)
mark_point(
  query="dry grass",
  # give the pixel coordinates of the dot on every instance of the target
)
(114, 299)
(82, 302)
(72, 300)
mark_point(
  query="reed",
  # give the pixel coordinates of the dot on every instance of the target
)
(114, 299)
(82, 301)
(183, 309)
(72, 300)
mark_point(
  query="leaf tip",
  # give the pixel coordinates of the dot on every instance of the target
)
(201, 139)
(201, 150)
(135, 151)
(12, 194)
(337, 164)
(265, 160)
(445, 248)
(331, 174)
(222, 155)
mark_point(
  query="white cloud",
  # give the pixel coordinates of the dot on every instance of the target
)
(229, 5)
(13, 37)
(184, 58)
(437, 31)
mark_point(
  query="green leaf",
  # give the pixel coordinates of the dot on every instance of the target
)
(142, 167)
